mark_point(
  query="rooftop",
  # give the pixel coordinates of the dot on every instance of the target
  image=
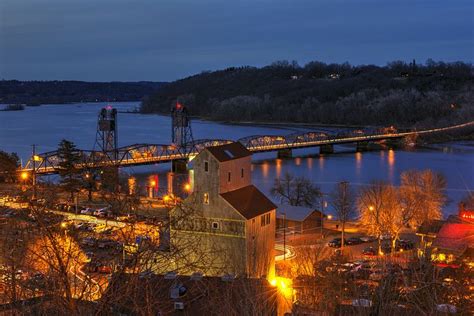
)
(249, 201)
(229, 151)
(455, 237)
(295, 213)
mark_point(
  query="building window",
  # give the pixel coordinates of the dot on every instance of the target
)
(228, 177)
(265, 219)
(206, 198)
(215, 225)
(242, 172)
(206, 166)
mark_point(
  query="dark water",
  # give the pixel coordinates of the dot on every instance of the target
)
(46, 125)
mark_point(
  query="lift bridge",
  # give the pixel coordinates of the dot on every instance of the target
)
(184, 147)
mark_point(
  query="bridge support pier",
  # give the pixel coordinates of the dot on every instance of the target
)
(326, 149)
(393, 143)
(284, 153)
(362, 146)
(179, 166)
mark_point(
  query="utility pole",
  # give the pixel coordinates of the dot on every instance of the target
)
(34, 171)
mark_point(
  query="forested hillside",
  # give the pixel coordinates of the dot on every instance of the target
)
(434, 93)
(43, 92)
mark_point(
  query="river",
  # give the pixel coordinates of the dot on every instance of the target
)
(46, 125)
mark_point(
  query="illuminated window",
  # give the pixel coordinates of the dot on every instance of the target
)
(215, 225)
(206, 198)
(228, 177)
(206, 166)
(242, 172)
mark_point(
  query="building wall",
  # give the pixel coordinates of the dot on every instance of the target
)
(261, 246)
(235, 167)
(312, 223)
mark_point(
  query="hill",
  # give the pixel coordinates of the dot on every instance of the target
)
(44, 92)
(397, 94)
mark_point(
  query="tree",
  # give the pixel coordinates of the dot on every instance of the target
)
(380, 209)
(297, 191)
(343, 201)
(8, 166)
(69, 172)
(422, 195)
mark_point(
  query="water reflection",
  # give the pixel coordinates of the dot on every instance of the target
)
(391, 163)
(297, 161)
(278, 167)
(265, 169)
(321, 162)
(309, 163)
(358, 160)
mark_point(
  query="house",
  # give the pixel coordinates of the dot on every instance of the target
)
(171, 294)
(229, 222)
(299, 219)
(454, 238)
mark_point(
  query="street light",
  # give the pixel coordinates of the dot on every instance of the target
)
(24, 175)
(371, 208)
(187, 187)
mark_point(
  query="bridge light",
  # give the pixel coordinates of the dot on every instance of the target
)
(24, 175)
(37, 158)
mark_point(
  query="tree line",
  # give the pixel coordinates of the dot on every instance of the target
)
(399, 93)
(57, 92)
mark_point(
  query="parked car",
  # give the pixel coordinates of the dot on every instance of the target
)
(87, 211)
(368, 238)
(353, 241)
(404, 244)
(89, 241)
(104, 269)
(335, 243)
(385, 236)
(369, 251)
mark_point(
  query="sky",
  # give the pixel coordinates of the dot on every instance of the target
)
(164, 40)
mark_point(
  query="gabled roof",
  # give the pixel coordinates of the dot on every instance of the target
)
(249, 201)
(295, 213)
(229, 151)
(430, 227)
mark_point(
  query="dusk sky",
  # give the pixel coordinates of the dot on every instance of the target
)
(158, 40)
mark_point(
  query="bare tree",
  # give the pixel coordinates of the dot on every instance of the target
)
(422, 195)
(377, 203)
(297, 191)
(343, 202)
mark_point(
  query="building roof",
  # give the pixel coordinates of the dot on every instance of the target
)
(249, 201)
(229, 151)
(455, 237)
(295, 213)
(152, 294)
(430, 227)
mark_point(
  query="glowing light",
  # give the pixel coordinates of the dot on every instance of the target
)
(166, 198)
(381, 253)
(441, 257)
(284, 286)
(371, 208)
(37, 158)
(63, 225)
(391, 157)
(24, 175)
(153, 183)
(329, 216)
(187, 187)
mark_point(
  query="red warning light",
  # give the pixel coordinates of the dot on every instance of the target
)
(178, 105)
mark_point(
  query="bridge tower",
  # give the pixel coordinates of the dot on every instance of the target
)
(181, 132)
(106, 136)
(181, 135)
